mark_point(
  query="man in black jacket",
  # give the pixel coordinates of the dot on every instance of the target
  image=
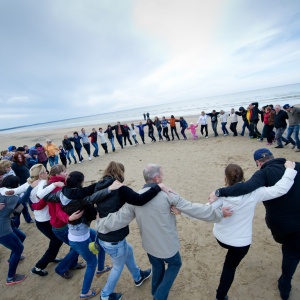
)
(280, 124)
(282, 214)
(243, 112)
(119, 133)
(254, 118)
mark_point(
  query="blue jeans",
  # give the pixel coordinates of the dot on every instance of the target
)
(121, 253)
(224, 129)
(71, 152)
(14, 243)
(214, 127)
(70, 261)
(112, 144)
(293, 129)
(163, 279)
(245, 125)
(278, 136)
(53, 160)
(95, 145)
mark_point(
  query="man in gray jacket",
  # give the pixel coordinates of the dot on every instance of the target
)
(158, 229)
(294, 125)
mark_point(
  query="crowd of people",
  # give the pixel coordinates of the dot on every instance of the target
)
(63, 208)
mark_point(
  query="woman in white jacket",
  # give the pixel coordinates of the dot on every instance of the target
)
(235, 233)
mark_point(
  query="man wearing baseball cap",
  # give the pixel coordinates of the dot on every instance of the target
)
(282, 214)
(294, 125)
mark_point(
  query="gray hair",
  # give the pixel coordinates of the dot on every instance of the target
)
(150, 171)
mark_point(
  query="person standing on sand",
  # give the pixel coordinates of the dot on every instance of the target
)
(119, 133)
(144, 116)
(126, 130)
(158, 228)
(214, 121)
(140, 127)
(294, 125)
(69, 149)
(184, 126)
(110, 136)
(86, 142)
(282, 214)
(52, 152)
(192, 128)
(223, 120)
(133, 134)
(280, 125)
(203, 122)
(173, 121)
(157, 123)
(233, 121)
(150, 124)
(164, 124)
(148, 115)
(93, 137)
(77, 145)
(103, 140)
(243, 113)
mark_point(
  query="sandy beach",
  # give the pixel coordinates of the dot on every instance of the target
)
(193, 168)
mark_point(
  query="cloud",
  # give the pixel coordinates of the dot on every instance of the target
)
(65, 59)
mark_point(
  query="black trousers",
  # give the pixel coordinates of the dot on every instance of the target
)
(54, 245)
(233, 128)
(78, 151)
(120, 139)
(104, 146)
(173, 129)
(204, 127)
(87, 148)
(126, 136)
(290, 261)
(233, 258)
(165, 133)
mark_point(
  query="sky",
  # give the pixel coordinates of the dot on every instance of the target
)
(61, 59)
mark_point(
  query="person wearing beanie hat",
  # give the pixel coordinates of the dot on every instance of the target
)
(294, 125)
(282, 214)
(33, 158)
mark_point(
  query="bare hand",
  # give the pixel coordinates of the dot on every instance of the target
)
(290, 164)
(9, 193)
(212, 197)
(227, 212)
(2, 205)
(76, 215)
(115, 185)
(175, 211)
(35, 183)
(166, 189)
(59, 184)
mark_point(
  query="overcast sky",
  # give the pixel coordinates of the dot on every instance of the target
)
(68, 58)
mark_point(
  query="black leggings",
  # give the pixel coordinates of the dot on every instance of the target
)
(78, 151)
(233, 258)
(54, 245)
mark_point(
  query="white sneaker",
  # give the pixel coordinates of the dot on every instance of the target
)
(79, 162)
(90, 158)
(206, 137)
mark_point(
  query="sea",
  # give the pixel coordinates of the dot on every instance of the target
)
(286, 94)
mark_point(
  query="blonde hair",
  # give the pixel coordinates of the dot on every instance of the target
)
(35, 172)
(115, 170)
(4, 164)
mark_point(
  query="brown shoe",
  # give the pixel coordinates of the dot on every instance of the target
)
(66, 275)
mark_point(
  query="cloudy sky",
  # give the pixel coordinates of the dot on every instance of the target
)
(68, 58)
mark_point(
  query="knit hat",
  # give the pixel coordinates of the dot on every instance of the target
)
(261, 153)
(285, 106)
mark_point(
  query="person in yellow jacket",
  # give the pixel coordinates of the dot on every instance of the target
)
(52, 152)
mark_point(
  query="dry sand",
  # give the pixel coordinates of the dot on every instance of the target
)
(193, 169)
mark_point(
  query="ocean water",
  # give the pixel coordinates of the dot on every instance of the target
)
(276, 95)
